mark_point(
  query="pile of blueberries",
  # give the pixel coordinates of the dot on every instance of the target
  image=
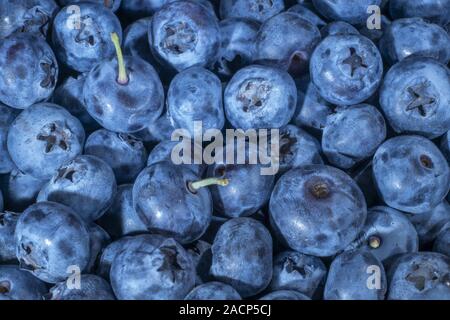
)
(95, 208)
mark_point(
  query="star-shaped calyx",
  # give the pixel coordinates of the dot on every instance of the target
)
(421, 274)
(54, 136)
(254, 94)
(35, 19)
(66, 173)
(355, 61)
(179, 37)
(261, 5)
(87, 31)
(286, 143)
(170, 261)
(291, 266)
(421, 100)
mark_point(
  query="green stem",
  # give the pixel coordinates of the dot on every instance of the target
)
(123, 77)
(196, 185)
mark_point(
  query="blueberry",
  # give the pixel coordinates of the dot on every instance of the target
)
(121, 219)
(159, 130)
(42, 138)
(195, 94)
(287, 41)
(82, 39)
(110, 4)
(141, 8)
(430, 223)
(210, 5)
(259, 97)
(445, 146)
(213, 291)
(415, 95)
(172, 200)
(285, 295)
(298, 148)
(317, 210)
(158, 269)
(135, 41)
(346, 68)
(411, 174)
(133, 9)
(437, 11)
(353, 134)
(86, 184)
(259, 10)
(109, 253)
(92, 287)
(414, 36)
(16, 284)
(312, 110)
(306, 73)
(351, 11)
(184, 34)
(124, 154)
(29, 70)
(163, 152)
(442, 242)
(247, 268)
(26, 16)
(338, 27)
(303, 11)
(124, 94)
(51, 240)
(247, 191)
(237, 50)
(200, 253)
(387, 233)
(70, 95)
(349, 277)
(297, 271)
(420, 276)
(98, 239)
(21, 190)
(8, 221)
(7, 116)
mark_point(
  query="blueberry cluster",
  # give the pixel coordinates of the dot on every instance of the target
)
(94, 207)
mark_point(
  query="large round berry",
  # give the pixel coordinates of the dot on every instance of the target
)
(52, 242)
(231, 245)
(317, 210)
(44, 137)
(347, 69)
(259, 97)
(184, 34)
(29, 70)
(415, 96)
(81, 35)
(411, 174)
